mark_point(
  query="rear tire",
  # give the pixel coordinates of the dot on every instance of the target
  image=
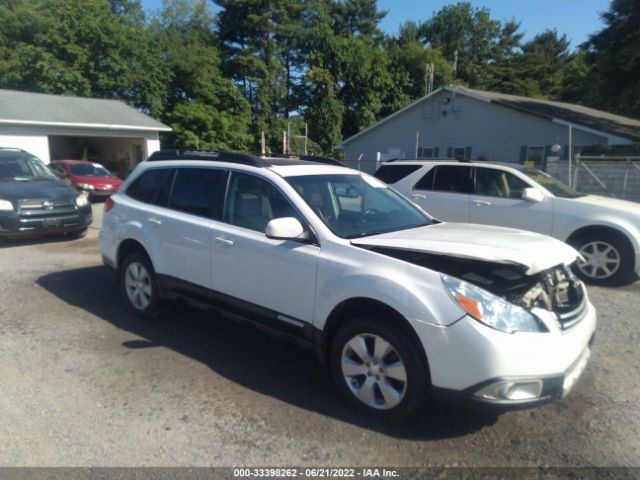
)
(138, 285)
(608, 259)
(378, 369)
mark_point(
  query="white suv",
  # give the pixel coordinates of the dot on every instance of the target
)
(606, 231)
(401, 306)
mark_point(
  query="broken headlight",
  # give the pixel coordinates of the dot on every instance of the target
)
(490, 309)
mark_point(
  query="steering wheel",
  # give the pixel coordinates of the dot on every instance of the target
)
(370, 214)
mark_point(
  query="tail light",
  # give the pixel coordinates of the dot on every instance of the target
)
(108, 204)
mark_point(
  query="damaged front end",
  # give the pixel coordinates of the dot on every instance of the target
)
(556, 290)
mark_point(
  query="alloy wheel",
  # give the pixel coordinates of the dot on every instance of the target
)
(137, 283)
(601, 260)
(374, 371)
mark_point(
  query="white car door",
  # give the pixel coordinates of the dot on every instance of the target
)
(497, 200)
(444, 192)
(185, 225)
(279, 275)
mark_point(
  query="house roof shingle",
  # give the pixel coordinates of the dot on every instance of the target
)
(26, 108)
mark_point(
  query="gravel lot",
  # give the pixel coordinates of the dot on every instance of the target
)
(85, 383)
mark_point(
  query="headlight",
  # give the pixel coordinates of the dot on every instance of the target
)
(6, 206)
(490, 309)
(82, 199)
(86, 186)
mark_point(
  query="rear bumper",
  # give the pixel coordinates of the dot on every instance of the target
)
(13, 226)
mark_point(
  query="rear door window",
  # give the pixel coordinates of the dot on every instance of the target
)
(395, 172)
(452, 179)
(199, 191)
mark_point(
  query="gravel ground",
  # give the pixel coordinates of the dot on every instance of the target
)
(85, 383)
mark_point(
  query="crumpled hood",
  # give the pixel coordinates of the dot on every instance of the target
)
(533, 251)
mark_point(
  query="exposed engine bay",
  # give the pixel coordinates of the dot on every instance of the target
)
(557, 289)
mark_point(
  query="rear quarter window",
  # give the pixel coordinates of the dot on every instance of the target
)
(145, 188)
(394, 173)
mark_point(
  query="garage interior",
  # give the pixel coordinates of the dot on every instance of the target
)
(118, 154)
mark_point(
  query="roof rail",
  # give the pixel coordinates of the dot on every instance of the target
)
(230, 157)
(308, 158)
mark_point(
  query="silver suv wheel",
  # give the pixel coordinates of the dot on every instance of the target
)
(374, 371)
(138, 286)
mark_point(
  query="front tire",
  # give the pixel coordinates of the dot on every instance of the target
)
(608, 259)
(377, 368)
(138, 285)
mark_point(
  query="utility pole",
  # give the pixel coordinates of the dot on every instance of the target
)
(263, 143)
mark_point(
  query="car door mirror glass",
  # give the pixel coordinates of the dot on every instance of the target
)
(532, 195)
(285, 228)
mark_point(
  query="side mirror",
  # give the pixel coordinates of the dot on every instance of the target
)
(532, 195)
(285, 228)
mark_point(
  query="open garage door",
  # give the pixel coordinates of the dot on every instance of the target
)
(119, 155)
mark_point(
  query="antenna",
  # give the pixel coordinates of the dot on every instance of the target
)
(455, 64)
(429, 71)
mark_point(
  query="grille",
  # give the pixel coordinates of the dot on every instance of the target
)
(567, 295)
(39, 208)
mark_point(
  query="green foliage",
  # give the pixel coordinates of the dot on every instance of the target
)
(537, 70)
(269, 65)
(204, 109)
(615, 57)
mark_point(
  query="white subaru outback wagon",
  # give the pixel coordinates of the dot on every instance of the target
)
(402, 307)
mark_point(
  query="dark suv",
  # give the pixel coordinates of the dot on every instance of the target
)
(33, 201)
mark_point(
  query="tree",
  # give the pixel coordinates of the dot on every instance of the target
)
(479, 41)
(615, 56)
(408, 58)
(79, 47)
(537, 70)
(205, 109)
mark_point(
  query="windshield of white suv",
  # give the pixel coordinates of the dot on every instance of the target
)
(358, 205)
(88, 170)
(554, 185)
(22, 167)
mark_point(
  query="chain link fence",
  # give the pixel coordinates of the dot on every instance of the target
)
(617, 177)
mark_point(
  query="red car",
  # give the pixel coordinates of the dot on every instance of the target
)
(93, 178)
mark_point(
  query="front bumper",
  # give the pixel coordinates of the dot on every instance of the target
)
(637, 265)
(468, 356)
(14, 226)
(552, 388)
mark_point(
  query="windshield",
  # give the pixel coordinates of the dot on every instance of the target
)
(554, 185)
(88, 170)
(23, 168)
(357, 205)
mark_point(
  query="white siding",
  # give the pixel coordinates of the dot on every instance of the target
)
(495, 132)
(36, 143)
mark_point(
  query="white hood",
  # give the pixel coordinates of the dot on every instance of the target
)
(533, 251)
(596, 203)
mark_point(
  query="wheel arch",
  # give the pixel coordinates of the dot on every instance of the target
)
(363, 306)
(127, 247)
(592, 230)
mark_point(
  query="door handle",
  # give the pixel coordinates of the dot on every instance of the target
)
(481, 203)
(418, 196)
(225, 241)
(155, 221)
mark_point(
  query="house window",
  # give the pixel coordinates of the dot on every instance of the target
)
(460, 153)
(427, 152)
(535, 153)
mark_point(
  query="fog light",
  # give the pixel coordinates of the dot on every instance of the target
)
(511, 390)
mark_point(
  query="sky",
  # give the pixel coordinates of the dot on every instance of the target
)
(575, 18)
